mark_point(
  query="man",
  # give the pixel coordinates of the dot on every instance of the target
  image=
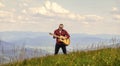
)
(60, 32)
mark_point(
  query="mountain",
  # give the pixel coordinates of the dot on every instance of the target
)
(17, 35)
(6, 45)
(42, 39)
(11, 52)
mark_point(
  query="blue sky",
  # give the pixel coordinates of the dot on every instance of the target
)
(78, 16)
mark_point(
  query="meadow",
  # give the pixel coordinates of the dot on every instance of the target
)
(99, 57)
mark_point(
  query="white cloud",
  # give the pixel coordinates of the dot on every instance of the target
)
(24, 11)
(116, 13)
(5, 14)
(31, 16)
(23, 4)
(39, 10)
(116, 17)
(49, 9)
(53, 9)
(114, 9)
(93, 18)
(10, 16)
(2, 5)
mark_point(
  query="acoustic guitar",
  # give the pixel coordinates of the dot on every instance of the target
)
(63, 39)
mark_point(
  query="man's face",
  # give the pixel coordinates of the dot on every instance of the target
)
(61, 26)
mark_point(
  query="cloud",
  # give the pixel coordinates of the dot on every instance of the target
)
(114, 9)
(5, 15)
(34, 18)
(52, 9)
(47, 10)
(117, 17)
(116, 13)
(11, 17)
(34, 15)
(23, 4)
(93, 18)
(55, 7)
(1, 5)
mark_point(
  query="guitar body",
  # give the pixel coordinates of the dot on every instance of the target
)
(63, 39)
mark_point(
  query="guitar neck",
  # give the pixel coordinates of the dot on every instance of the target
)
(54, 35)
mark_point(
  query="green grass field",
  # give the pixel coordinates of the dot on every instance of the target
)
(101, 57)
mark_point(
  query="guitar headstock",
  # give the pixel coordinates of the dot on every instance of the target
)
(51, 33)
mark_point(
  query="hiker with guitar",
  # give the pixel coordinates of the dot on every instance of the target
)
(62, 39)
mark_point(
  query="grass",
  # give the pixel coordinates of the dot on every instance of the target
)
(101, 57)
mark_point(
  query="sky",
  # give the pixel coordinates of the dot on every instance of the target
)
(78, 16)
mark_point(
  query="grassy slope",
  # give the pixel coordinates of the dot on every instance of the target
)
(102, 57)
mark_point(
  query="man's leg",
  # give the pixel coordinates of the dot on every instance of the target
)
(57, 47)
(64, 49)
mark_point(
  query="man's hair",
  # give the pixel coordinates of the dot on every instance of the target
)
(61, 24)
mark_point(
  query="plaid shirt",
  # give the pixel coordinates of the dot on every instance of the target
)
(61, 33)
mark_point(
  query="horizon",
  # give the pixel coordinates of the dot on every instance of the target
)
(49, 32)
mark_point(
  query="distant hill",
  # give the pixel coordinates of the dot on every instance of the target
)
(6, 45)
(43, 38)
(12, 52)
